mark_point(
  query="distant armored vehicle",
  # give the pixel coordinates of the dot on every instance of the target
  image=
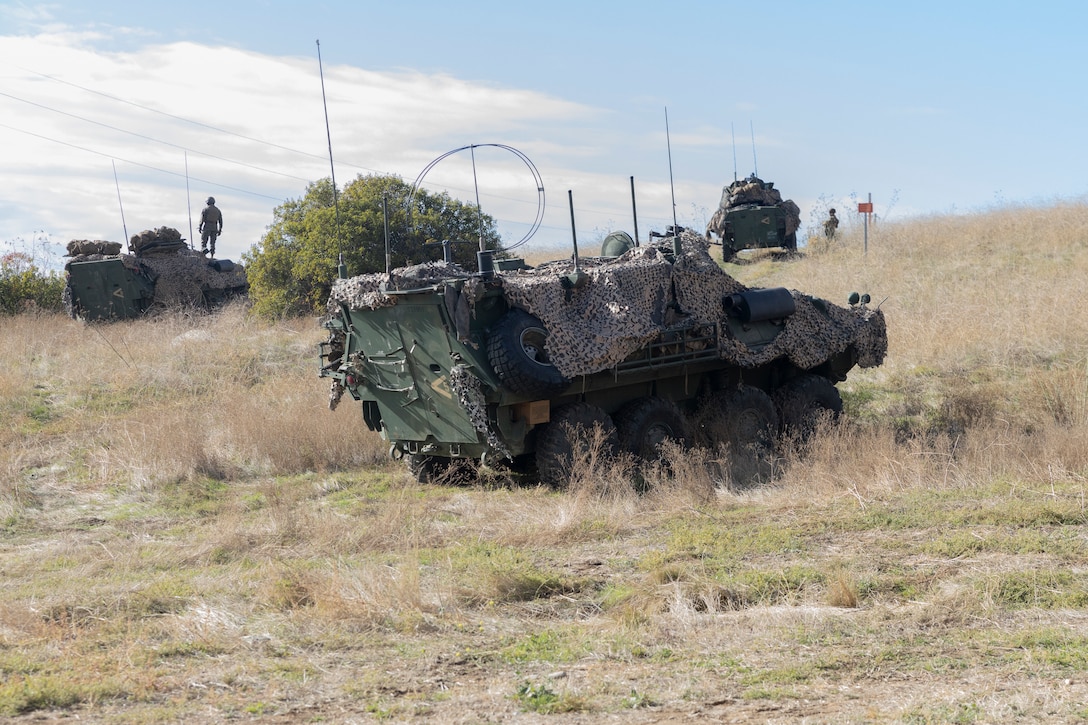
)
(753, 215)
(160, 273)
(644, 344)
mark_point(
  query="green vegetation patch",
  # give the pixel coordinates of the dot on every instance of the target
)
(956, 713)
(180, 650)
(769, 587)
(492, 574)
(725, 541)
(999, 503)
(554, 645)
(110, 399)
(194, 498)
(1045, 589)
(25, 693)
(1055, 647)
(540, 698)
(1062, 542)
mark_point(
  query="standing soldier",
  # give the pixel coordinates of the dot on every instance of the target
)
(831, 224)
(211, 226)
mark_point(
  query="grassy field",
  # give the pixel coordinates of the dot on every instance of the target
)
(188, 534)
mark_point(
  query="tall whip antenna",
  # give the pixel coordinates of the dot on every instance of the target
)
(676, 248)
(188, 200)
(117, 184)
(733, 135)
(332, 168)
(672, 187)
(479, 209)
(755, 166)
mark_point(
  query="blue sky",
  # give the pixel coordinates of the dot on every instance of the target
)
(930, 107)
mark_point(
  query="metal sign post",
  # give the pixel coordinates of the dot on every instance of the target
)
(866, 208)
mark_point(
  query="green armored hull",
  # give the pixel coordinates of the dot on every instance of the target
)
(753, 215)
(659, 343)
(163, 273)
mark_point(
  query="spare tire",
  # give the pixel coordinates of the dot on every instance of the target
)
(516, 351)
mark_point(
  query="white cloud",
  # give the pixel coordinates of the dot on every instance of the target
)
(249, 127)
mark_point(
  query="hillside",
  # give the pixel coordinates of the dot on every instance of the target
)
(188, 534)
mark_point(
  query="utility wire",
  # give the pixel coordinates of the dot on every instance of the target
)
(183, 119)
(137, 163)
(209, 127)
(150, 138)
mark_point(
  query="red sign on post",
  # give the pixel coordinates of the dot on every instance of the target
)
(865, 207)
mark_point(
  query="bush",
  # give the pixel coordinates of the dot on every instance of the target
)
(292, 270)
(24, 287)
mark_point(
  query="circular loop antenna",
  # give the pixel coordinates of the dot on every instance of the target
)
(525, 159)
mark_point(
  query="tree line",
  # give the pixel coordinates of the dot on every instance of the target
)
(292, 269)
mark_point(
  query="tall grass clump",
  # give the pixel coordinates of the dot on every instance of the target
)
(172, 397)
(986, 318)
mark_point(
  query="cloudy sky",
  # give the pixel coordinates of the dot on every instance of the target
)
(127, 115)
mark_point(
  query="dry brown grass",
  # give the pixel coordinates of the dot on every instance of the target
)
(187, 533)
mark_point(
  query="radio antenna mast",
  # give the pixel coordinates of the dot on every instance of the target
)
(479, 209)
(332, 167)
(733, 135)
(188, 200)
(755, 166)
(117, 184)
(672, 190)
(672, 186)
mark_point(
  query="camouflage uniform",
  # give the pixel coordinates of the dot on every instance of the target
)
(831, 225)
(211, 226)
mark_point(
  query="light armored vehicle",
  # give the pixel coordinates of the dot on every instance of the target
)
(160, 272)
(753, 215)
(515, 364)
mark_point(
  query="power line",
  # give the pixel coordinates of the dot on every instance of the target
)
(220, 185)
(209, 127)
(136, 163)
(212, 156)
(150, 138)
(183, 119)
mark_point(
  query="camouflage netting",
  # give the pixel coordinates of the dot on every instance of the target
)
(82, 247)
(749, 191)
(470, 394)
(181, 277)
(367, 291)
(625, 304)
(164, 240)
(622, 307)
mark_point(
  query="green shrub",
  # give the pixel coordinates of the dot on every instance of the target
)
(24, 287)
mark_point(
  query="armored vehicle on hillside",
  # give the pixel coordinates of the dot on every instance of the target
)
(515, 364)
(159, 273)
(753, 215)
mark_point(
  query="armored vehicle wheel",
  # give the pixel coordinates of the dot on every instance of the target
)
(744, 419)
(569, 439)
(643, 425)
(516, 351)
(803, 403)
(439, 469)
